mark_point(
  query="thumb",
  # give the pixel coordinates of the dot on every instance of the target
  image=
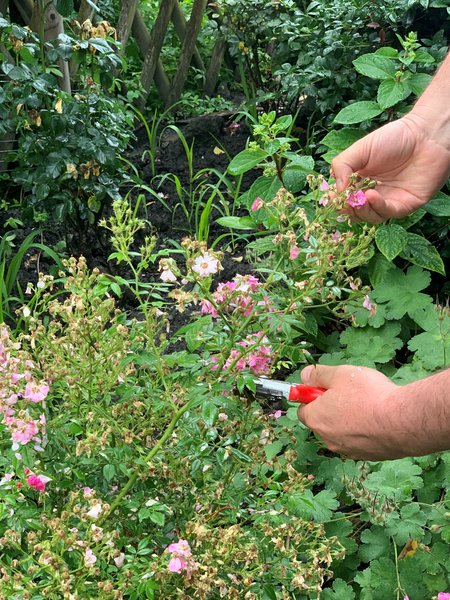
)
(319, 375)
(352, 160)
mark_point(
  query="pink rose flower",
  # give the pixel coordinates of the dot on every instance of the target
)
(38, 483)
(294, 252)
(35, 392)
(257, 204)
(356, 199)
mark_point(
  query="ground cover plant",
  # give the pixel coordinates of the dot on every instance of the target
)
(136, 459)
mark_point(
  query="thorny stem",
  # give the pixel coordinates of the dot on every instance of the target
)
(150, 456)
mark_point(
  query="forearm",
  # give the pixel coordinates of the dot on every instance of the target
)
(419, 415)
(433, 106)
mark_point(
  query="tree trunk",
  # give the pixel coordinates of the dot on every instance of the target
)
(187, 49)
(179, 24)
(143, 40)
(126, 18)
(156, 41)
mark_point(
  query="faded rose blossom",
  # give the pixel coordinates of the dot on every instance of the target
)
(294, 252)
(277, 414)
(323, 187)
(367, 303)
(88, 492)
(356, 199)
(89, 558)
(95, 510)
(257, 204)
(119, 560)
(323, 201)
(223, 417)
(167, 275)
(444, 596)
(206, 265)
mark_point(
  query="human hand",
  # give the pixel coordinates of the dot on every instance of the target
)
(410, 164)
(353, 417)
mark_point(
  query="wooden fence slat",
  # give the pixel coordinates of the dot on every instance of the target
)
(187, 49)
(157, 39)
(179, 24)
(212, 73)
(125, 22)
(143, 40)
(86, 11)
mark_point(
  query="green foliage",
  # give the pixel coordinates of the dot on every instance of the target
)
(67, 160)
(399, 78)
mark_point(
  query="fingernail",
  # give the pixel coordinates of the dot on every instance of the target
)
(306, 373)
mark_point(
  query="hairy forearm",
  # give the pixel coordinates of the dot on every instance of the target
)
(419, 415)
(433, 106)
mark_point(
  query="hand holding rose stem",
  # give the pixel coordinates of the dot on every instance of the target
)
(364, 415)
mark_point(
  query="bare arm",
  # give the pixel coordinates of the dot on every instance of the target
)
(364, 415)
(409, 157)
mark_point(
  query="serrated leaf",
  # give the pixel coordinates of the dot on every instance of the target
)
(108, 472)
(418, 82)
(395, 480)
(420, 251)
(374, 543)
(379, 581)
(402, 292)
(375, 66)
(368, 346)
(432, 347)
(339, 591)
(357, 112)
(246, 160)
(342, 138)
(406, 525)
(391, 239)
(391, 92)
(439, 205)
(271, 450)
(209, 413)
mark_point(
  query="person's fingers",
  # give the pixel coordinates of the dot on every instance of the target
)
(320, 375)
(350, 161)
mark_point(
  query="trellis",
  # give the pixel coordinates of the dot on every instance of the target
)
(151, 44)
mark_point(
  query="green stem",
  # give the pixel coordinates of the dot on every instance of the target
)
(153, 452)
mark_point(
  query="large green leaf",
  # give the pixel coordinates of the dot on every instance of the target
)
(391, 92)
(421, 252)
(418, 82)
(375, 66)
(391, 239)
(439, 205)
(402, 292)
(246, 160)
(342, 138)
(357, 112)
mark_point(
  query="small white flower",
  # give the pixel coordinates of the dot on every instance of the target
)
(206, 264)
(26, 312)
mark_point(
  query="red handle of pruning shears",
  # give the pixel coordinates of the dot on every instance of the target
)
(297, 392)
(304, 393)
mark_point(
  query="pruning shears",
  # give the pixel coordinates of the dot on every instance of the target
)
(272, 390)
